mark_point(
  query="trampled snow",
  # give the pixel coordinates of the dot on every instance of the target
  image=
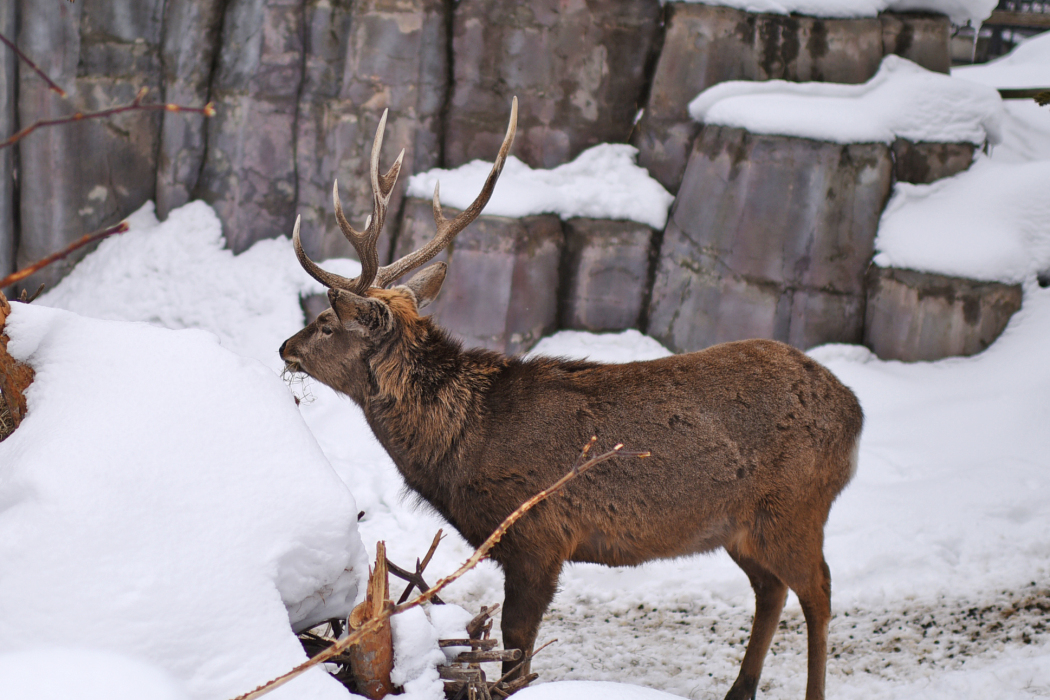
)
(603, 182)
(959, 11)
(902, 100)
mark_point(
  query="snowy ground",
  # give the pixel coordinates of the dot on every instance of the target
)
(938, 549)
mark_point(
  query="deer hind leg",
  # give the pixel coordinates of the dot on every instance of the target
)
(529, 587)
(770, 594)
(797, 558)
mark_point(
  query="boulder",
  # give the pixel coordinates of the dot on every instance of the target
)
(707, 44)
(81, 177)
(923, 38)
(361, 59)
(249, 174)
(577, 68)
(922, 163)
(501, 291)
(769, 237)
(605, 274)
(915, 316)
(192, 30)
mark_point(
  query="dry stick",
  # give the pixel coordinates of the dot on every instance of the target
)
(207, 110)
(480, 553)
(84, 240)
(50, 83)
(416, 580)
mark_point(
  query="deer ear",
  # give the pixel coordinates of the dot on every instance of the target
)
(426, 283)
(346, 305)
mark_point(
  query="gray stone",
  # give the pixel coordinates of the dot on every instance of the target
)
(922, 38)
(249, 169)
(922, 163)
(8, 126)
(705, 45)
(769, 237)
(576, 66)
(191, 37)
(605, 274)
(80, 177)
(362, 59)
(916, 316)
(501, 291)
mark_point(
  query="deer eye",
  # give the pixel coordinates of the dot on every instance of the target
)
(327, 330)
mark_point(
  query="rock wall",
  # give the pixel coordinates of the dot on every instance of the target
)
(768, 237)
(8, 125)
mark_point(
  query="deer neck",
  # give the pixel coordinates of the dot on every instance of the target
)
(425, 391)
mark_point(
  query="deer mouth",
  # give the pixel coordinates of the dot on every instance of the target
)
(292, 366)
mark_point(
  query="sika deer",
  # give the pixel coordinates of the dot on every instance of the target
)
(751, 441)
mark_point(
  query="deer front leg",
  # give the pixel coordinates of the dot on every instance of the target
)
(528, 588)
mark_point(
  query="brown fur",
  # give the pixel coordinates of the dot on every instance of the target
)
(751, 442)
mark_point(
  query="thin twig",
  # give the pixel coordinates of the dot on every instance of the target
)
(525, 659)
(480, 553)
(136, 105)
(84, 240)
(50, 83)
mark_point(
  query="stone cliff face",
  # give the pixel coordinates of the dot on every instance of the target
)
(773, 241)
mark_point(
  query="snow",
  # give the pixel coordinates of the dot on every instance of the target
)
(959, 11)
(1026, 66)
(86, 675)
(603, 182)
(163, 498)
(903, 100)
(987, 223)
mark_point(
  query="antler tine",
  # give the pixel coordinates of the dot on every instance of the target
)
(448, 228)
(328, 279)
(364, 242)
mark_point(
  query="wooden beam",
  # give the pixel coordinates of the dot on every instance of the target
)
(1026, 20)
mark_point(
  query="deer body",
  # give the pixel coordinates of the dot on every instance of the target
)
(751, 442)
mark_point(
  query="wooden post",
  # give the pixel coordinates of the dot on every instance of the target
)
(372, 659)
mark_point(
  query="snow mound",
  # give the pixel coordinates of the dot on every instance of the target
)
(902, 100)
(959, 11)
(164, 499)
(85, 675)
(177, 274)
(1026, 66)
(987, 223)
(604, 182)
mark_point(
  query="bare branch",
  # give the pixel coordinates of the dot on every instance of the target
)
(50, 83)
(136, 105)
(84, 240)
(474, 559)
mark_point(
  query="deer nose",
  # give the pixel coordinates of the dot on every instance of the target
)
(280, 351)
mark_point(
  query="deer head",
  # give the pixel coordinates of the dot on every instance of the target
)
(363, 311)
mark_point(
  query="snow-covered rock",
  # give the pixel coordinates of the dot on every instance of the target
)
(603, 182)
(903, 101)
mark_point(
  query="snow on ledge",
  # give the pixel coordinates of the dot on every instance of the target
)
(987, 223)
(958, 11)
(902, 100)
(604, 182)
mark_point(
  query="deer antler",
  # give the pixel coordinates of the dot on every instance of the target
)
(448, 228)
(382, 187)
(364, 242)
